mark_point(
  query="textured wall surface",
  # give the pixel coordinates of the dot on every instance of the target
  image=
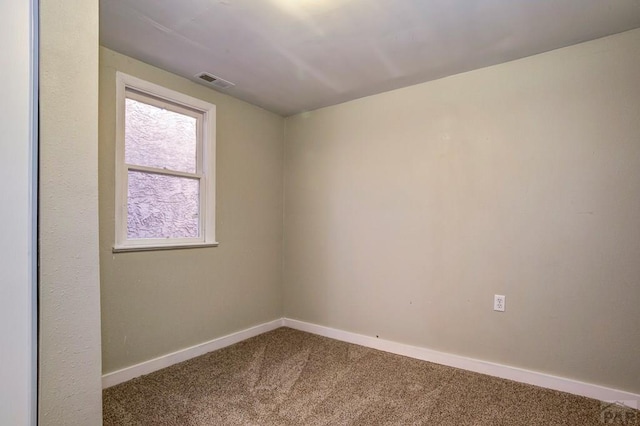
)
(70, 387)
(17, 280)
(407, 211)
(157, 302)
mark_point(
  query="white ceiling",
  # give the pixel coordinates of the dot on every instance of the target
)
(290, 56)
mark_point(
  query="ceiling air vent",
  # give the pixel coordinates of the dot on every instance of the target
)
(212, 80)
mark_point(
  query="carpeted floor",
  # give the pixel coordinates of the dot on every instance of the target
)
(287, 377)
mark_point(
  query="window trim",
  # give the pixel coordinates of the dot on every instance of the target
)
(205, 167)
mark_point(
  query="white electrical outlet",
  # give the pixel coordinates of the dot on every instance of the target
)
(499, 302)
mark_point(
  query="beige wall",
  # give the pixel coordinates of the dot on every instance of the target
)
(69, 388)
(154, 303)
(407, 211)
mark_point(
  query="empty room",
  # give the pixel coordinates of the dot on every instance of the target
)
(329, 212)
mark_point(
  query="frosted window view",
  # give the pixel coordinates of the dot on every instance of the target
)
(156, 137)
(162, 206)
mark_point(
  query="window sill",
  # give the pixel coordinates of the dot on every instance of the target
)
(157, 248)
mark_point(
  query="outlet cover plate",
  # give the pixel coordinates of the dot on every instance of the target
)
(499, 302)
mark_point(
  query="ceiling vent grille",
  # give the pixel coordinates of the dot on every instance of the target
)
(212, 80)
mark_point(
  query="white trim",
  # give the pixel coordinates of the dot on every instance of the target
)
(158, 247)
(34, 205)
(162, 92)
(535, 378)
(163, 172)
(128, 373)
(205, 113)
(492, 369)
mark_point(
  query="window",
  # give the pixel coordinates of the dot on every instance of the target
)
(165, 159)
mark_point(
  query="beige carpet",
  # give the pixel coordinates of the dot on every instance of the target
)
(287, 377)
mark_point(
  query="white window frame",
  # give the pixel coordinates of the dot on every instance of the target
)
(205, 163)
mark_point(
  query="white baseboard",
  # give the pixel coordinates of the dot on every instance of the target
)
(128, 373)
(492, 369)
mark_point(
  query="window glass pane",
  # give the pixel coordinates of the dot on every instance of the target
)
(156, 137)
(162, 206)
